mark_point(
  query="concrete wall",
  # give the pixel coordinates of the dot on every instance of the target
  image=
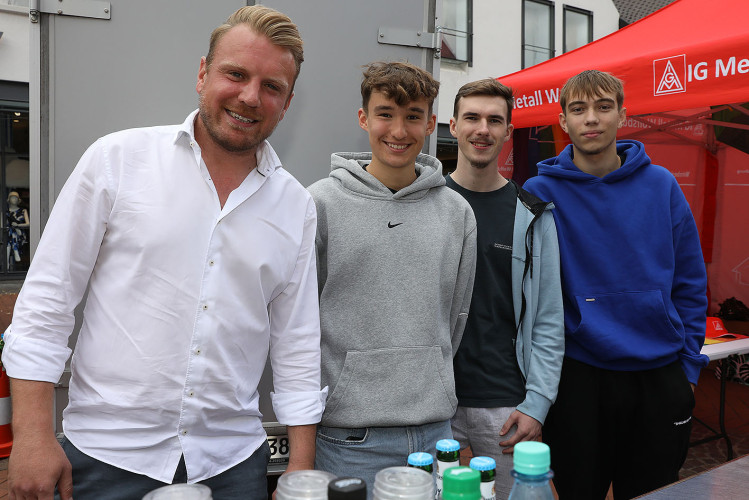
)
(497, 42)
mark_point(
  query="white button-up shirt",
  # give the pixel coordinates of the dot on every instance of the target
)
(186, 299)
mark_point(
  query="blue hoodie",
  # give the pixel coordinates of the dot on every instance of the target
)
(633, 277)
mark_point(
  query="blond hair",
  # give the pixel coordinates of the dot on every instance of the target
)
(279, 29)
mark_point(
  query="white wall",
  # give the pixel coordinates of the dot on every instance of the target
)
(14, 45)
(497, 42)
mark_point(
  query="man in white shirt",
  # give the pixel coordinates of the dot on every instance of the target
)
(197, 249)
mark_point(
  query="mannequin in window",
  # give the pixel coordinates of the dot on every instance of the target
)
(17, 223)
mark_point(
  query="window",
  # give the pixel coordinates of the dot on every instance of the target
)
(578, 28)
(14, 186)
(538, 31)
(457, 18)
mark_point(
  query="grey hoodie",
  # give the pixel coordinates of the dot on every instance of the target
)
(395, 276)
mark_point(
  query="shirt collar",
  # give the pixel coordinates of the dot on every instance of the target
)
(267, 159)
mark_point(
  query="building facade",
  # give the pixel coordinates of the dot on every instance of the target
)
(492, 38)
(14, 138)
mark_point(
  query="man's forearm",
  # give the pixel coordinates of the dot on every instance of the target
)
(301, 446)
(32, 408)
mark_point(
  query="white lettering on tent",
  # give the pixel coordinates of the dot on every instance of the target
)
(699, 72)
(552, 95)
(730, 67)
(670, 82)
(526, 101)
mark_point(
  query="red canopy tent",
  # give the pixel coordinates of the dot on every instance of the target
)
(688, 54)
(682, 66)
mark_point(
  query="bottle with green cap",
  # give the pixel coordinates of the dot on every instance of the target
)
(531, 461)
(461, 483)
(421, 460)
(448, 456)
(487, 467)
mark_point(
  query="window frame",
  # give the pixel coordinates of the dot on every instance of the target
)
(453, 31)
(576, 10)
(552, 32)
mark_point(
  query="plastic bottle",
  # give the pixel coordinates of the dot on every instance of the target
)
(531, 461)
(403, 483)
(421, 460)
(461, 483)
(304, 484)
(448, 455)
(347, 488)
(180, 492)
(487, 467)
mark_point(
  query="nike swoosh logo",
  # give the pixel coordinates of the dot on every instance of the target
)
(391, 225)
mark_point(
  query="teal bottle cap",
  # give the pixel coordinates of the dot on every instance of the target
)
(448, 445)
(531, 458)
(420, 459)
(461, 483)
(483, 463)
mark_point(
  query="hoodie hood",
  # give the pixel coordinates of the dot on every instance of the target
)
(633, 158)
(348, 169)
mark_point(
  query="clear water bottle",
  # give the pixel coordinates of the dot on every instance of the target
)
(531, 461)
(304, 484)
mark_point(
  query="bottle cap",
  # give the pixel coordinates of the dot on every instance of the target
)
(420, 459)
(403, 482)
(448, 445)
(531, 458)
(483, 463)
(303, 484)
(347, 488)
(461, 483)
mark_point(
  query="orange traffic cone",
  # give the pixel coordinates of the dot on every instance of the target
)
(6, 434)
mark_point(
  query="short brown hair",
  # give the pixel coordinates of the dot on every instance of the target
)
(279, 29)
(589, 84)
(401, 81)
(485, 87)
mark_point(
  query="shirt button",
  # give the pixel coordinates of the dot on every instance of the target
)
(205, 307)
(211, 262)
(198, 351)
(184, 433)
(191, 393)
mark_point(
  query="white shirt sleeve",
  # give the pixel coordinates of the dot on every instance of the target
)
(295, 338)
(36, 343)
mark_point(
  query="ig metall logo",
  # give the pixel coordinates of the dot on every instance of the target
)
(669, 75)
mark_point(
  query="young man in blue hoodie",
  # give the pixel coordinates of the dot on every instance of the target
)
(633, 283)
(508, 364)
(396, 253)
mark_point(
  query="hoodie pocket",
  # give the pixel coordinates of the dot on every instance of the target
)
(393, 386)
(626, 325)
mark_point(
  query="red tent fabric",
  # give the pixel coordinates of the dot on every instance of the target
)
(675, 64)
(689, 54)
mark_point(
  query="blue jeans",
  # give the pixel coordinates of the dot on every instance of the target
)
(362, 452)
(95, 480)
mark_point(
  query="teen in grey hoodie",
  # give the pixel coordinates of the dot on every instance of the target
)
(395, 273)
